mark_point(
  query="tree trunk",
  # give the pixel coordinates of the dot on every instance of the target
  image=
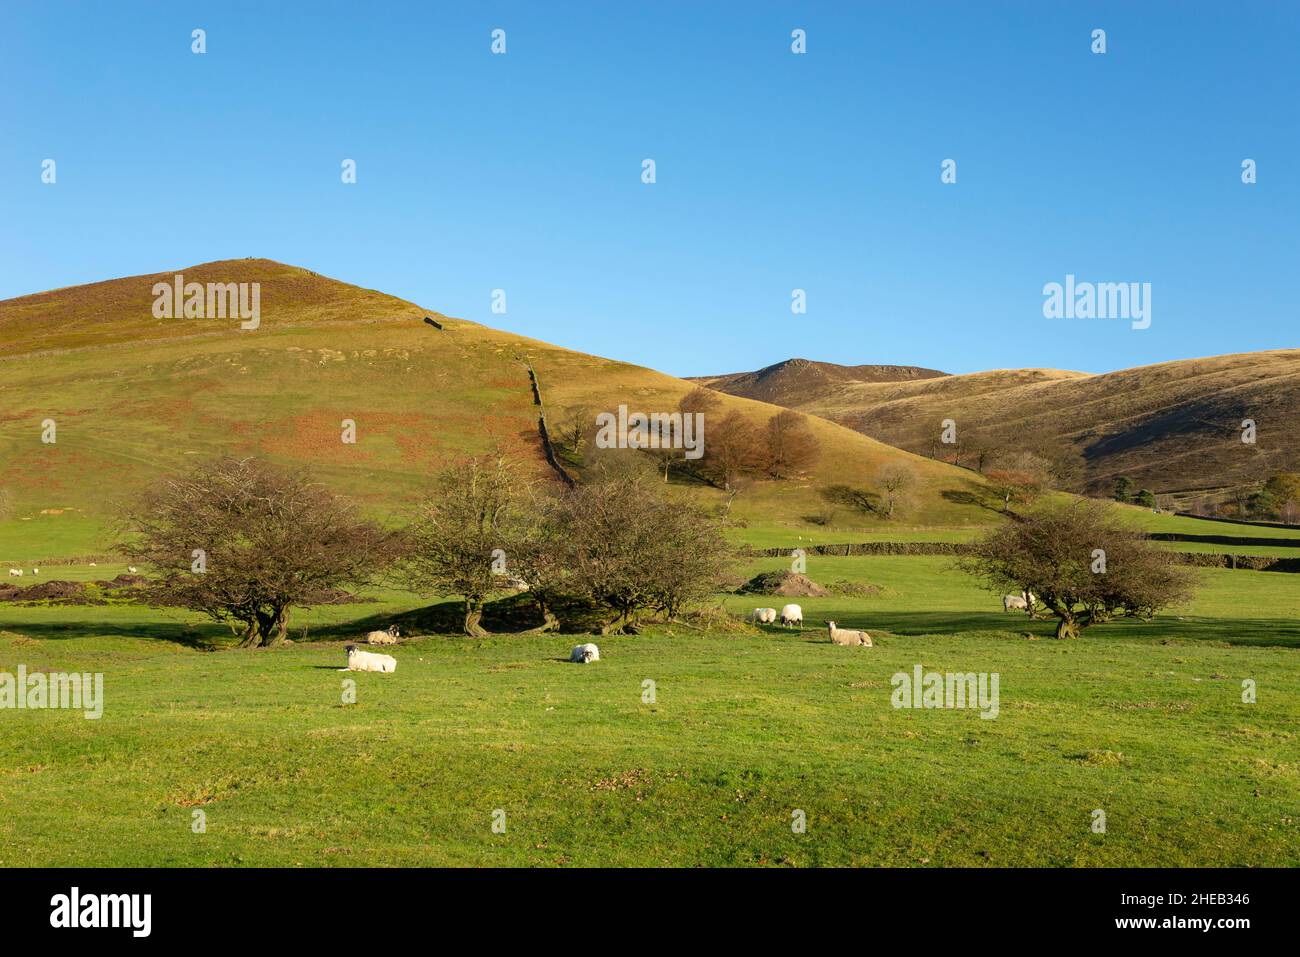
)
(473, 614)
(1067, 628)
(622, 622)
(549, 620)
(266, 629)
(250, 638)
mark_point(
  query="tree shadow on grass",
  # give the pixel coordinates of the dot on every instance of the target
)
(972, 493)
(509, 615)
(1257, 632)
(201, 637)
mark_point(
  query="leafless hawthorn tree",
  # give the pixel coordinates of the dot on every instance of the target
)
(789, 444)
(896, 481)
(477, 508)
(731, 448)
(632, 547)
(241, 540)
(1082, 563)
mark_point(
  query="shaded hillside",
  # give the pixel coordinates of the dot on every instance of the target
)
(1172, 427)
(133, 397)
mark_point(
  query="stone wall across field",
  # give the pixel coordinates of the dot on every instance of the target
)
(866, 548)
(1264, 563)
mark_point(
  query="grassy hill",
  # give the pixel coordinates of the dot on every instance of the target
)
(133, 396)
(1174, 427)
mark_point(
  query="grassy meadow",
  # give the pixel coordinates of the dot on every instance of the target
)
(1144, 721)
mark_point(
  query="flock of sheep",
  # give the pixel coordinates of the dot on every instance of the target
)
(18, 572)
(791, 616)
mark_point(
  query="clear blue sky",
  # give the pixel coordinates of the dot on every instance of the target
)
(775, 171)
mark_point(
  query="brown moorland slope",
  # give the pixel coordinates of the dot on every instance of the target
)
(1174, 427)
(134, 396)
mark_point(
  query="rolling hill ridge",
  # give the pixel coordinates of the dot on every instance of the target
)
(133, 396)
(1174, 427)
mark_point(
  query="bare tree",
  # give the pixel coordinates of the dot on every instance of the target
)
(1019, 477)
(631, 547)
(1082, 563)
(573, 430)
(730, 448)
(790, 445)
(238, 539)
(465, 533)
(896, 481)
(699, 399)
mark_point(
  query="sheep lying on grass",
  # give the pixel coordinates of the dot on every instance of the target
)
(584, 653)
(844, 636)
(369, 661)
(791, 615)
(764, 616)
(388, 637)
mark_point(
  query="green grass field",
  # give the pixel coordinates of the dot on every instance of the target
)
(1144, 721)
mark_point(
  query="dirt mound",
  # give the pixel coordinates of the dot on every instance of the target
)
(124, 581)
(47, 590)
(785, 584)
(53, 590)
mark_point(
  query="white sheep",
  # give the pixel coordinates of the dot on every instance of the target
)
(844, 636)
(584, 653)
(369, 661)
(16, 572)
(764, 616)
(92, 564)
(36, 571)
(791, 614)
(1014, 601)
(388, 637)
(131, 568)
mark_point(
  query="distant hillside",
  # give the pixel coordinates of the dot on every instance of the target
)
(134, 396)
(1174, 427)
(796, 381)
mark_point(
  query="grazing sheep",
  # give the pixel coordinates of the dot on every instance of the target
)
(388, 637)
(36, 571)
(1023, 601)
(131, 568)
(790, 615)
(584, 653)
(369, 661)
(16, 572)
(92, 564)
(843, 636)
(764, 616)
